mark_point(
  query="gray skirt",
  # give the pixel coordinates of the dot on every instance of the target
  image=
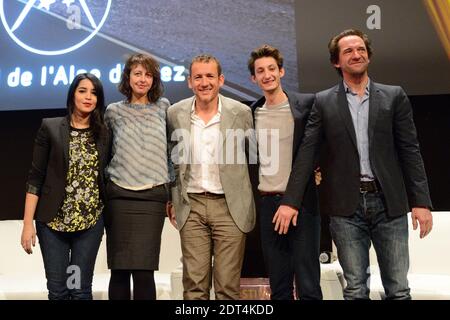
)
(134, 221)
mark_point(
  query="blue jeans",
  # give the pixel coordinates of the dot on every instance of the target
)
(353, 236)
(293, 254)
(69, 260)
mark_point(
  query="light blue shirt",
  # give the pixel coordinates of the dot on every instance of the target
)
(359, 110)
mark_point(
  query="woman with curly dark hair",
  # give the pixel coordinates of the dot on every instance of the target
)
(138, 177)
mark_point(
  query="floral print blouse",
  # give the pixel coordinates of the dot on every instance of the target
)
(82, 205)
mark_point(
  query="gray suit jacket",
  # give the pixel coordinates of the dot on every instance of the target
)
(234, 178)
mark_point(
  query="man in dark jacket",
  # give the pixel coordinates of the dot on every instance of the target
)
(372, 170)
(280, 119)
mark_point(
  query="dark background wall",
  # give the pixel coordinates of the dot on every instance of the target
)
(18, 129)
(407, 47)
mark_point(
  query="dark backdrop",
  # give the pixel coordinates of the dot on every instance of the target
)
(18, 129)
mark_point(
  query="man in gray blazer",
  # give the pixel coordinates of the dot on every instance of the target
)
(372, 170)
(212, 197)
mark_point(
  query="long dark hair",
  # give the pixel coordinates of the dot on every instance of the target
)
(96, 122)
(152, 66)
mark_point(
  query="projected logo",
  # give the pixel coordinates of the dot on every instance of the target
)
(51, 27)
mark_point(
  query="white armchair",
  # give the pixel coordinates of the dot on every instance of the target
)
(22, 276)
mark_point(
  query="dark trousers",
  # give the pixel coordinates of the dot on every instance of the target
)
(293, 255)
(69, 260)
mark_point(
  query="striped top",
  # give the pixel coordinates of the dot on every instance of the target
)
(139, 150)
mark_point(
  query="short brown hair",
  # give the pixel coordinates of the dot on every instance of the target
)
(334, 49)
(152, 66)
(264, 51)
(206, 58)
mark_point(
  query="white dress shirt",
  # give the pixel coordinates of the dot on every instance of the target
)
(206, 142)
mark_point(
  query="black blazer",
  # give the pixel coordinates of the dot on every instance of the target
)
(48, 173)
(394, 153)
(300, 104)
